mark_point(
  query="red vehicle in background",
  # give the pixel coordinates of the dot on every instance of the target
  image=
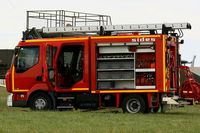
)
(71, 63)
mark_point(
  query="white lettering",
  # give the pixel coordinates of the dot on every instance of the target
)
(144, 39)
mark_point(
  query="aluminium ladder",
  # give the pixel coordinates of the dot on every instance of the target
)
(61, 23)
(165, 28)
(113, 28)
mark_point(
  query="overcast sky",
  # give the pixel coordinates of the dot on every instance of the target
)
(13, 17)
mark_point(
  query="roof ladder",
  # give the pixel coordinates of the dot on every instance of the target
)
(115, 28)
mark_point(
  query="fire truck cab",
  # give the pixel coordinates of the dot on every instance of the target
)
(65, 67)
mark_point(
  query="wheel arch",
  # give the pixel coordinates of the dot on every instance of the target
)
(143, 95)
(37, 92)
(38, 88)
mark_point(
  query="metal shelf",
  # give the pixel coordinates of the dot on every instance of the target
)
(110, 59)
(145, 70)
(146, 87)
(103, 70)
(145, 51)
(115, 79)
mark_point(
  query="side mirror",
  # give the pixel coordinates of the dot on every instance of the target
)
(15, 58)
(17, 50)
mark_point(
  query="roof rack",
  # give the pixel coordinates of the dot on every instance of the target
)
(61, 23)
(62, 18)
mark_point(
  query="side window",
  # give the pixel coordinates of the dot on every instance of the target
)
(54, 51)
(49, 56)
(68, 59)
(27, 58)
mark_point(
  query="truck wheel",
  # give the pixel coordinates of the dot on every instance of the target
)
(133, 104)
(40, 101)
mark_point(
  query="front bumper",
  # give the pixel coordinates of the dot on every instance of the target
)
(10, 100)
(13, 103)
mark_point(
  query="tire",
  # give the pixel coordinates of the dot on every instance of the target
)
(134, 104)
(40, 101)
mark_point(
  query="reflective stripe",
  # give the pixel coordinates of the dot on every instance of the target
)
(115, 37)
(126, 91)
(13, 82)
(13, 72)
(164, 65)
(57, 39)
(80, 89)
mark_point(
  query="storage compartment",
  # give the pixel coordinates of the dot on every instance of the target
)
(145, 79)
(114, 49)
(116, 75)
(125, 84)
(115, 64)
(116, 84)
(145, 60)
(115, 67)
(145, 70)
(105, 85)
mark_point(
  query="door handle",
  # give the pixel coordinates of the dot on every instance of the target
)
(39, 78)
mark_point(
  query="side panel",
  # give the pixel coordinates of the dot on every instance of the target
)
(133, 47)
(161, 70)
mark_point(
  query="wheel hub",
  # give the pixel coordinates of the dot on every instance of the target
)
(133, 106)
(40, 104)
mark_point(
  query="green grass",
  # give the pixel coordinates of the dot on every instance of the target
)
(23, 120)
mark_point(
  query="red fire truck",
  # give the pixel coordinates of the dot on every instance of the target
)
(81, 60)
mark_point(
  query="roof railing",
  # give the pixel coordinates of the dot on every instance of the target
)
(63, 18)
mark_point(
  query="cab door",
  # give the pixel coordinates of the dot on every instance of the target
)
(27, 69)
(49, 65)
(72, 69)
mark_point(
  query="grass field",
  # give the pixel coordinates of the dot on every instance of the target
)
(23, 120)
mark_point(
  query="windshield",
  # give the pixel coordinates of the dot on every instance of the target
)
(26, 58)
